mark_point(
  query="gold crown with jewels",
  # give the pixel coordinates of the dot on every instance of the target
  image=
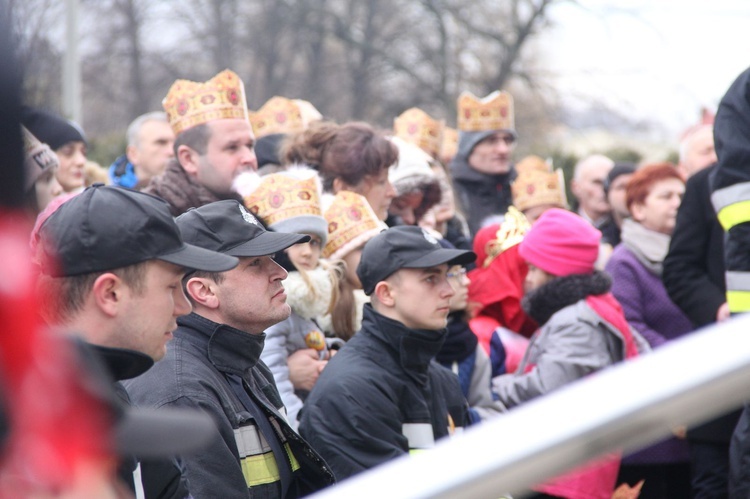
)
(280, 196)
(494, 112)
(282, 115)
(537, 185)
(189, 103)
(351, 223)
(419, 128)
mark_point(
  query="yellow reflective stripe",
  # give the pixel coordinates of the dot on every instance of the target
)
(414, 452)
(739, 301)
(721, 198)
(292, 460)
(734, 214)
(260, 469)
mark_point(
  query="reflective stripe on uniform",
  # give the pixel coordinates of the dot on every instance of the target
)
(256, 457)
(419, 435)
(738, 301)
(732, 204)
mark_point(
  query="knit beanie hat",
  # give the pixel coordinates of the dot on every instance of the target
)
(561, 243)
(287, 201)
(50, 128)
(38, 158)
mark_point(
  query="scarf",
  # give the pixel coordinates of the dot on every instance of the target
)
(460, 342)
(649, 247)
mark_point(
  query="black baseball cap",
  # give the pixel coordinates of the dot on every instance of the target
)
(623, 168)
(404, 247)
(107, 227)
(228, 228)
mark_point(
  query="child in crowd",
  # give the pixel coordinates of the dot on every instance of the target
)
(462, 354)
(582, 330)
(296, 349)
(351, 223)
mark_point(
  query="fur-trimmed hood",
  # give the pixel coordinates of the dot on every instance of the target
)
(309, 300)
(542, 303)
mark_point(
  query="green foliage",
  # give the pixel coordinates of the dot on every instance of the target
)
(104, 149)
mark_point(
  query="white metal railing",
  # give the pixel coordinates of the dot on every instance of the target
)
(625, 407)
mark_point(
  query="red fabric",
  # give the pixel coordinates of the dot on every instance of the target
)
(57, 427)
(609, 309)
(484, 327)
(595, 480)
(496, 291)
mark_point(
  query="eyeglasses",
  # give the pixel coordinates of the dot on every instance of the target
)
(457, 275)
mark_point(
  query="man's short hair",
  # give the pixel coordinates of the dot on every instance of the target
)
(135, 126)
(63, 297)
(196, 138)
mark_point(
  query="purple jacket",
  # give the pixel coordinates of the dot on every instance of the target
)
(644, 299)
(649, 310)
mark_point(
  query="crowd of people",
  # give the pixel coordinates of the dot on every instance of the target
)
(334, 296)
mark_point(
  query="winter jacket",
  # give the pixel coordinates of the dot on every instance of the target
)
(583, 330)
(382, 396)
(480, 195)
(240, 462)
(730, 184)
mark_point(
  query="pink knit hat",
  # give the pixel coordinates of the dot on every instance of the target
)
(561, 243)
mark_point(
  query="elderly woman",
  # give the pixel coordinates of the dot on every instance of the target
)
(653, 196)
(349, 157)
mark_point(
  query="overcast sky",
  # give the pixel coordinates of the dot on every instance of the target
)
(661, 59)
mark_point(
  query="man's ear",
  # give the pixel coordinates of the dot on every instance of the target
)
(108, 293)
(131, 152)
(385, 293)
(188, 158)
(202, 291)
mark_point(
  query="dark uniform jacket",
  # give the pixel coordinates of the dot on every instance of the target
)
(240, 463)
(382, 396)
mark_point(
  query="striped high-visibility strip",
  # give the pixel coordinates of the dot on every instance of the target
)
(738, 291)
(256, 457)
(419, 436)
(732, 204)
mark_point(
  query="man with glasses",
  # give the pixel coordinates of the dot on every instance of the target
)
(482, 170)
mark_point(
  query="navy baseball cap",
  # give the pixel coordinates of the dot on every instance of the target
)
(404, 247)
(107, 227)
(227, 227)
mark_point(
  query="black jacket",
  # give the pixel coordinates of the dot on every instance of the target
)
(480, 195)
(694, 267)
(194, 373)
(381, 397)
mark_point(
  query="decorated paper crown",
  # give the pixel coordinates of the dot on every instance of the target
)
(494, 112)
(510, 233)
(536, 185)
(287, 201)
(351, 223)
(282, 115)
(449, 145)
(190, 103)
(38, 158)
(419, 128)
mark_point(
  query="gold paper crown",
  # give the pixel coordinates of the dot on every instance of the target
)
(536, 185)
(494, 112)
(280, 196)
(282, 115)
(351, 223)
(419, 128)
(511, 232)
(190, 103)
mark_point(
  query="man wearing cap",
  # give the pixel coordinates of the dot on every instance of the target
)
(214, 364)
(614, 192)
(383, 395)
(214, 142)
(482, 170)
(112, 262)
